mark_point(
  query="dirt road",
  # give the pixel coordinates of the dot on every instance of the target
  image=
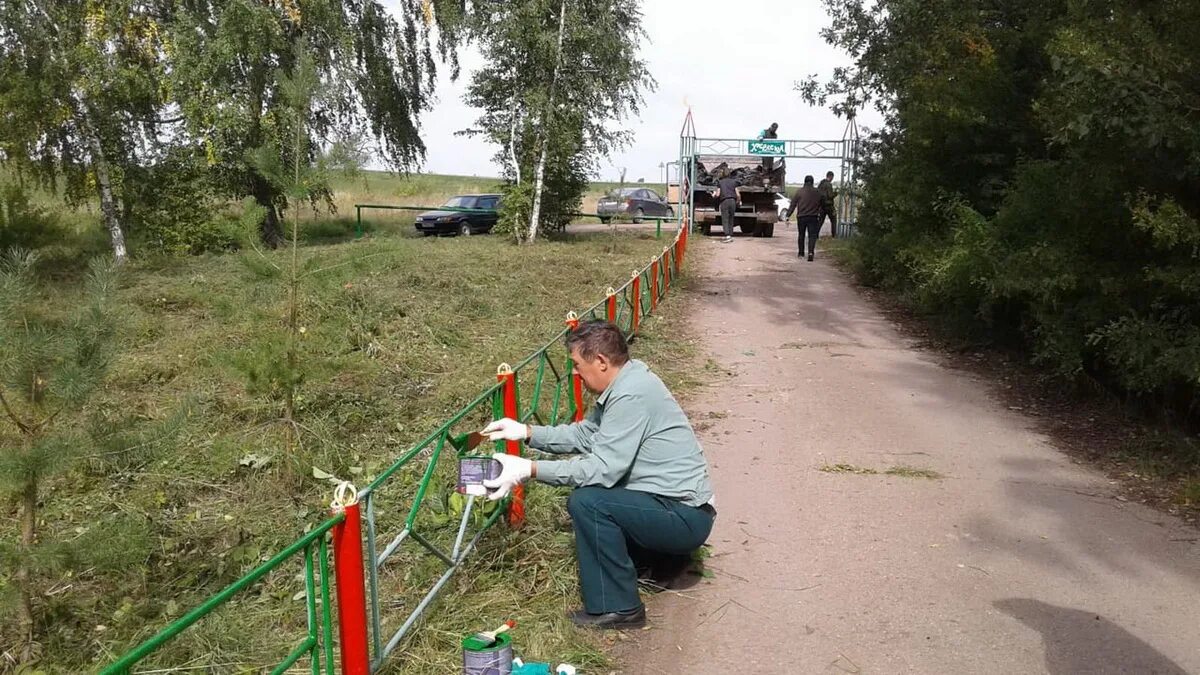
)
(1016, 560)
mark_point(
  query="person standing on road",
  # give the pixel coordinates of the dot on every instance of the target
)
(728, 200)
(641, 481)
(827, 208)
(806, 203)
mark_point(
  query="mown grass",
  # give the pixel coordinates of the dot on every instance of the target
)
(901, 471)
(399, 334)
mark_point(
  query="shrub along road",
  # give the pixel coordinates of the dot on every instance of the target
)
(882, 513)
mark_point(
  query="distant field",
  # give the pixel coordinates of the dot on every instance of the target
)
(368, 187)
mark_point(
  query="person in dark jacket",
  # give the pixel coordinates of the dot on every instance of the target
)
(827, 195)
(727, 200)
(807, 205)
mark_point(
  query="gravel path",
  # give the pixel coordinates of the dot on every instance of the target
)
(1015, 560)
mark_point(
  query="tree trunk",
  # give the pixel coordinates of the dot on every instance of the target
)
(28, 538)
(512, 139)
(109, 210)
(547, 118)
(269, 229)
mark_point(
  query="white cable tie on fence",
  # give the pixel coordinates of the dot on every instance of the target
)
(345, 494)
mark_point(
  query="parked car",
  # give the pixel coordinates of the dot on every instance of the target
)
(432, 223)
(634, 202)
(782, 204)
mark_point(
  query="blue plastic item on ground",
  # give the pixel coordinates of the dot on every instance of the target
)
(532, 669)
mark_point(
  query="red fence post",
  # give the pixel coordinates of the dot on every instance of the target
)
(576, 381)
(666, 261)
(654, 284)
(637, 299)
(683, 241)
(612, 305)
(349, 585)
(506, 377)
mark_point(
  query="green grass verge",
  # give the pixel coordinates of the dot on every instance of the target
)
(399, 334)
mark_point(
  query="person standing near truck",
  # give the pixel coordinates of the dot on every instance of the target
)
(727, 198)
(806, 203)
(770, 133)
(827, 208)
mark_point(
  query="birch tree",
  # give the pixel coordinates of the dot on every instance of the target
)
(561, 77)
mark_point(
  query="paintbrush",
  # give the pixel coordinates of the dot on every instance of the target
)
(475, 439)
(488, 638)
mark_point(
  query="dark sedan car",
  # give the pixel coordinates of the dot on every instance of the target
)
(636, 203)
(431, 223)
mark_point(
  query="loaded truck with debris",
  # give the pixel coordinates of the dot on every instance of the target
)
(759, 181)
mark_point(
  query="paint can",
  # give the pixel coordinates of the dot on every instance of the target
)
(479, 659)
(473, 470)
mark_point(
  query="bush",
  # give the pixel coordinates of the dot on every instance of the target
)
(23, 224)
(173, 210)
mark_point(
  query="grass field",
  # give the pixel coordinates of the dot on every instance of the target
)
(400, 332)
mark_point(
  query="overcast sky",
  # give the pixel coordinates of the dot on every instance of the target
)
(733, 62)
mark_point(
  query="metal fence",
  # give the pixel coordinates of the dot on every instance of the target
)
(399, 501)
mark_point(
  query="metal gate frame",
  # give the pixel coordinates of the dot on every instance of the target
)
(848, 151)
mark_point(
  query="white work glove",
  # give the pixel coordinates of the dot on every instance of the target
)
(516, 470)
(506, 430)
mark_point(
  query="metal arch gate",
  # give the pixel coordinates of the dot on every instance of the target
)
(847, 151)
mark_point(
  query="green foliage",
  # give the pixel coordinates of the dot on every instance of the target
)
(231, 60)
(1034, 183)
(23, 224)
(175, 209)
(565, 105)
(564, 188)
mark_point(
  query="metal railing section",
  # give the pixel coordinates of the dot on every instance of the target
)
(317, 643)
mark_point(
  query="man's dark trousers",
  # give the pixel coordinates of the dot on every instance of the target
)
(728, 208)
(607, 520)
(811, 225)
(832, 214)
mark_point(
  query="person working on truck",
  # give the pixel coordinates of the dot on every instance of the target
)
(728, 199)
(770, 133)
(807, 205)
(825, 187)
(641, 481)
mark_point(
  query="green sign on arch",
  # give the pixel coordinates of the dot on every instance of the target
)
(766, 147)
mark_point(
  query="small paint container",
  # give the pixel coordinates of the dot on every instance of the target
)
(473, 470)
(481, 660)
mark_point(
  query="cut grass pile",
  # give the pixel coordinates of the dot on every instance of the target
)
(399, 333)
(901, 470)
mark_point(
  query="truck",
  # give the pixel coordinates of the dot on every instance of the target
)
(760, 180)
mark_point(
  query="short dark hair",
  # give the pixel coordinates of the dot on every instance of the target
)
(808, 180)
(599, 337)
(829, 174)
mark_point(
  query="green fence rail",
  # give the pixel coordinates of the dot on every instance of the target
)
(425, 475)
(317, 644)
(358, 211)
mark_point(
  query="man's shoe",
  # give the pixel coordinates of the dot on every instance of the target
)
(634, 618)
(810, 257)
(727, 240)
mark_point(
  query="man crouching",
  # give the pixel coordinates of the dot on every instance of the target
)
(641, 481)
